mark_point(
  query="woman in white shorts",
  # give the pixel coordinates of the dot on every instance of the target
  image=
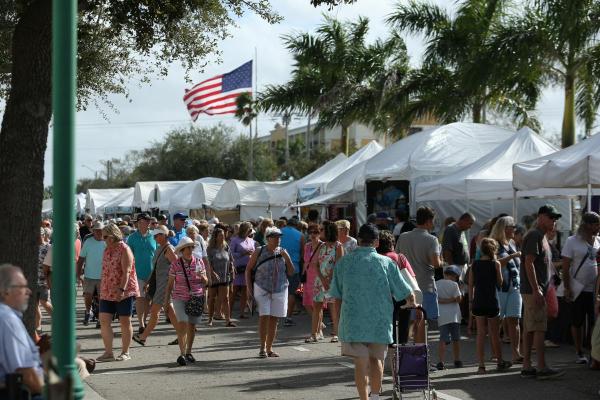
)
(266, 275)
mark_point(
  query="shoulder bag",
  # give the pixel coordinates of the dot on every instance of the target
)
(576, 286)
(152, 280)
(195, 305)
(303, 276)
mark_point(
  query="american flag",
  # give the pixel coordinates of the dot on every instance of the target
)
(217, 95)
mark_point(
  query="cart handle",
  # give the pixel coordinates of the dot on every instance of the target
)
(418, 307)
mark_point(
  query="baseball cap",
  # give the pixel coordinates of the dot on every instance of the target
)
(550, 211)
(384, 215)
(371, 218)
(161, 229)
(97, 225)
(368, 233)
(272, 231)
(179, 215)
(143, 216)
(453, 269)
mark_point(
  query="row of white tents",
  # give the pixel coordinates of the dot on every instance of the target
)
(455, 167)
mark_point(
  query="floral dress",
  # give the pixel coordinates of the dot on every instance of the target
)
(326, 263)
(112, 274)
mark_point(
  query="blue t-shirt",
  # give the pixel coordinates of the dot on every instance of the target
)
(17, 349)
(93, 251)
(143, 248)
(366, 283)
(291, 241)
(178, 235)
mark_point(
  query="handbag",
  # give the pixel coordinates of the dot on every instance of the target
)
(576, 286)
(195, 305)
(414, 286)
(152, 281)
(551, 301)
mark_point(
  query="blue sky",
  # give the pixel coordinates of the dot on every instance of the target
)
(153, 110)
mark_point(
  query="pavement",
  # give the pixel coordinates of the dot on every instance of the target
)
(227, 367)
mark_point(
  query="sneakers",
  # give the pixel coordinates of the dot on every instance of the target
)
(86, 319)
(288, 322)
(581, 359)
(190, 358)
(549, 373)
(105, 358)
(181, 361)
(123, 357)
(550, 344)
(440, 366)
(528, 372)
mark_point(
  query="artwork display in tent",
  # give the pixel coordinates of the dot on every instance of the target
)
(387, 197)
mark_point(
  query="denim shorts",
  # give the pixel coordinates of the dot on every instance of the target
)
(123, 308)
(294, 282)
(430, 305)
(450, 332)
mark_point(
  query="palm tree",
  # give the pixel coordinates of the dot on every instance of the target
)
(245, 113)
(559, 40)
(333, 75)
(460, 74)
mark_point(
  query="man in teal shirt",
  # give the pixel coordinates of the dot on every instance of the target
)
(363, 285)
(142, 245)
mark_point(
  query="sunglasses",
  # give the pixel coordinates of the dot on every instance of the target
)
(313, 232)
(105, 237)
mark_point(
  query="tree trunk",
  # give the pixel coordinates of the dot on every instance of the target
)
(308, 135)
(23, 138)
(477, 112)
(345, 140)
(568, 124)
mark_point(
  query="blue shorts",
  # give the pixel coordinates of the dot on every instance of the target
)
(511, 304)
(450, 332)
(430, 304)
(123, 308)
(294, 282)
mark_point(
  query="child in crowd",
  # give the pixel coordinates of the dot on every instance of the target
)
(484, 279)
(449, 297)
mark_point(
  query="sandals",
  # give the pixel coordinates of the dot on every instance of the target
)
(311, 339)
(174, 342)
(105, 358)
(209, 323)
(272, 354)
(123, 357)
(262, 354)
(136, 338)
(503, 366)
(335, 339)
(231, 324)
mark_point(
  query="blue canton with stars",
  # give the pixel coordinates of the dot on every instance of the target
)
(239, 78)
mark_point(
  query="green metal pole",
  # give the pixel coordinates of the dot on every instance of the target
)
(64, 86)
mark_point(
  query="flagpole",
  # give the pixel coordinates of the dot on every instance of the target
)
(255, 91)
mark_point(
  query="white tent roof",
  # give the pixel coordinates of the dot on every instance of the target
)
(195, 194)
(573, 167)
(143, 191)
(121, 202)
(162, 193)
(437, 151)
(490, 177)
(236, 193)
(80, 199)
(47, 206)
(318, 182)
(96, 198)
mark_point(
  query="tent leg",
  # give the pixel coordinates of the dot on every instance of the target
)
(589, 197)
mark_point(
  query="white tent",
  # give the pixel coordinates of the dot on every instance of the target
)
(121, 204)
(315, 184)
(194, 195)
(80, 203)
(161, 196)
(251, 198)
(46, 207)
(96, 198)
(575, 167)
(143, 191)
(490, 177)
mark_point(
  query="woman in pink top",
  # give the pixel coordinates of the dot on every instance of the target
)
(118, 290)
(187, 278)
(311, 263)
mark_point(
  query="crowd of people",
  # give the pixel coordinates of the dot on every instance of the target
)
(510, 283)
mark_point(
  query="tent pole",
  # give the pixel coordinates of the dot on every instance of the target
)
(515, 204)
(589, 197)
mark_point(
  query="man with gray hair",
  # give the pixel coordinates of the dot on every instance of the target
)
(18, 352)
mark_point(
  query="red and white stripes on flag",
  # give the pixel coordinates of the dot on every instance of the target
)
(218, 94)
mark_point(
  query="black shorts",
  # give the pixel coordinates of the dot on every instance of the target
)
(294, 282)
(485, 312)
(123, 308)
(582, 306)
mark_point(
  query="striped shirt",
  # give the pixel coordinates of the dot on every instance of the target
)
(180, 288)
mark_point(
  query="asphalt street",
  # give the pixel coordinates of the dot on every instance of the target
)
(227, 367)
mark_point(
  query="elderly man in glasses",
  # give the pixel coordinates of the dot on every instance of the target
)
(18, 352)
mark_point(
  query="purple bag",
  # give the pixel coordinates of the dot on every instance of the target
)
(412, 360)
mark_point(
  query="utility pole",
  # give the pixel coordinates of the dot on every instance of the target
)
(287, 116)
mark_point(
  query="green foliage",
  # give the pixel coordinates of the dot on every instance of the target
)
(192, 152)
(118, 39)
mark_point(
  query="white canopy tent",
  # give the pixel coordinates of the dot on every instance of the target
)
(195, 194)
(143, 192)
(574, 170)
(80, 203)
(47, 207)
(315, 184)
(121, 204)
(251, 198)
(96, 198)
(161, 195)
(429, 154)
